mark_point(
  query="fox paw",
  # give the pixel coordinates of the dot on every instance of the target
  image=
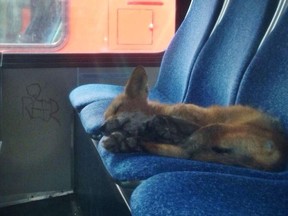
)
(117, 142)
(168, 129)
(128, 124)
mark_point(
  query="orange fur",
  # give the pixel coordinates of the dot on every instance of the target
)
(254, 139)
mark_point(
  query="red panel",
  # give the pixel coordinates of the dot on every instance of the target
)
(158, 3)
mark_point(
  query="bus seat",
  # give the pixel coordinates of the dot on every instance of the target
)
(176, 63)
(226, 55)
(264, 85)
(139, 166)
(206, 193)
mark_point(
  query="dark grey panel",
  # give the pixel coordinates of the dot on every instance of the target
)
(36, 154)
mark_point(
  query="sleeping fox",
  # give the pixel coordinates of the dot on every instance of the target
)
(235, 135)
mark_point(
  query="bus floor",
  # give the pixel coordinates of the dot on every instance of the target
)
(59, 206)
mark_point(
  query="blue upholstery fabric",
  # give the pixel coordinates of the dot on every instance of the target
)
(265, 84)
(92, 117)
(176, 63)
(85, 94)
(139, 166)
(181, 54)
(209, 194)
(126, 167)
(224, 58)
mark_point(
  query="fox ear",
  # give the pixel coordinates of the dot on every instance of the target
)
(137, 85)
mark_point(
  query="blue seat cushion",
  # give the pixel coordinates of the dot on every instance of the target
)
(85, 94)
(140, 166)
(92, 115)
(196, 193)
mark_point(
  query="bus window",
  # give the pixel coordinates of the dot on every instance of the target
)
(91, 26)
(31, 22)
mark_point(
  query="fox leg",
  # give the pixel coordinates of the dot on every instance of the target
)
(159, 134)
(118, 142)
(157, 128)
(128, 123)
(243, 145)
(167, 129)
(132, 132)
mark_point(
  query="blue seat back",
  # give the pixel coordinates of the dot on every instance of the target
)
(221, 63)
(181, 54)
(265, 83)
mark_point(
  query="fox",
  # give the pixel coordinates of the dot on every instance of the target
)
(237, 135)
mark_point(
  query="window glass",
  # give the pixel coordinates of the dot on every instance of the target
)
(31, 23)
(90, 26)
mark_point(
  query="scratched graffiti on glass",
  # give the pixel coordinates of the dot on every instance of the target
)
(34, 106)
